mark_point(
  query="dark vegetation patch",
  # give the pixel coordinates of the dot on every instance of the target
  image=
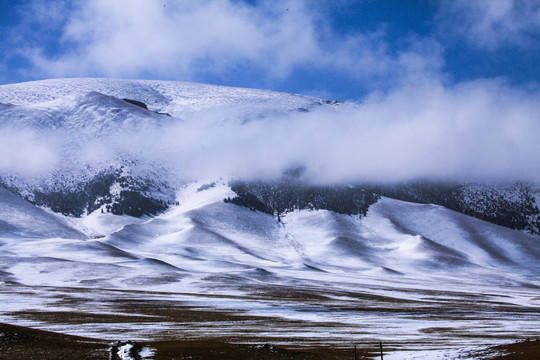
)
(280, 197)
(135, 204)
(205, 187)
(88, 195)
(136, 196)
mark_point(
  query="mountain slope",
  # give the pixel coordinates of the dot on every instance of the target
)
(126, 147)
(510, 204)
(206, 235)
(432, 277)
(105, 166)
(22, 220)
(114, 235)
(178, 99)
(101, 137)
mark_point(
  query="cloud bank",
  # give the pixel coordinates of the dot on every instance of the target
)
(197, 40)
(413, 123)
(262, 43)
(491, 24)
(27, 152)
(476, 131)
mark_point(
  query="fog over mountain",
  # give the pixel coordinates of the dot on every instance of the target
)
(480, 131)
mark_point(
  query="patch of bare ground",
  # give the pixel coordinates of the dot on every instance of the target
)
(18, 342)
(206, 350)
(523, 350)
(72, 317)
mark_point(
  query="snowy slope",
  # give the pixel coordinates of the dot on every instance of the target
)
(452, 236)
(406, 268)
(395, 238)
(418, 271)
(207, 235)
(178, 99)
(89, 114)
(21, 220)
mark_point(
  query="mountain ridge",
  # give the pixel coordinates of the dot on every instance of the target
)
(128, 181)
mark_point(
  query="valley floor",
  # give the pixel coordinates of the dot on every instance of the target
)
(18, 342)
(300, 322)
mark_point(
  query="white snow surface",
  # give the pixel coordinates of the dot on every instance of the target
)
(179, 99)
(21, 220)
(124, 353)
(411, 275)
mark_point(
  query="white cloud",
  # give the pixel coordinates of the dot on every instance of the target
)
(481, 130)
(24, 152)
(490, 24)
(419, 127)
(127, 38)
(190, 40)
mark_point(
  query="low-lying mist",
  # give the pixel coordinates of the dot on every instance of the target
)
(476, 131)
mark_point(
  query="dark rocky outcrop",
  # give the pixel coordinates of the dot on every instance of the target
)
(136, 103)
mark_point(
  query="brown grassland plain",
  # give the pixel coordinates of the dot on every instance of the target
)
(18, 342)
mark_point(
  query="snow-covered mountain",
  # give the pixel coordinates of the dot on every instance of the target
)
(113, 208)
(119, 145)
(104, 137)
(176, 98)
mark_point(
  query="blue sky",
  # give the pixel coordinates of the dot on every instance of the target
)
(345, 50)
